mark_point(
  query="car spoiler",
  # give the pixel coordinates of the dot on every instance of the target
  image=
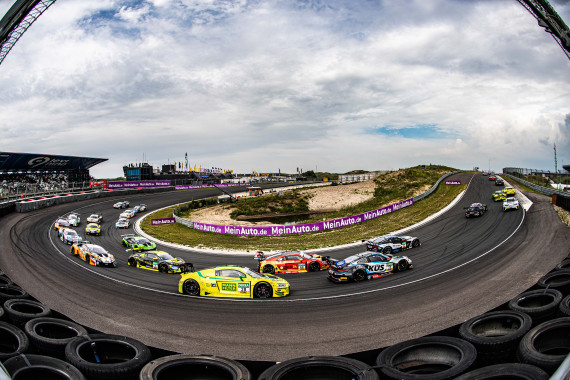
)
(189, 267)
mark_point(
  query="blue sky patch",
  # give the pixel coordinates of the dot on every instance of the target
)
(420, 131)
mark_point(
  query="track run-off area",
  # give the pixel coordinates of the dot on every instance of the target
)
(463, 268)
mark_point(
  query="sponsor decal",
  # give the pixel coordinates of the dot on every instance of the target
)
(158, 222)
(377, 268)
(302, 228)
(453, 182)
(301, 265)
(243, 287)
(229, 286)
(135, 184)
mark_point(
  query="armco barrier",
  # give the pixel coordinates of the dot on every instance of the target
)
(563, 198)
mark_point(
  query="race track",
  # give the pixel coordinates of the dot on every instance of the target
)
(463, 268)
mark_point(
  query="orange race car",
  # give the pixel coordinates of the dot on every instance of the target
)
(93, 254)
(290, 262)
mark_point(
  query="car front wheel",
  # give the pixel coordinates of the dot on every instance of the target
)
(263, 290)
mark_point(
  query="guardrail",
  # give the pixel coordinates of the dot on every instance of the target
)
(537, 188)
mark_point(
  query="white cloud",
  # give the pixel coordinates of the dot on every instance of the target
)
(269, 85)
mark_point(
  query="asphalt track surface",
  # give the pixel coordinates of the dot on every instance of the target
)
(463, 268)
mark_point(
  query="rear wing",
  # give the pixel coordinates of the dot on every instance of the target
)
(259, 256)
(128, 235)
(186, 268)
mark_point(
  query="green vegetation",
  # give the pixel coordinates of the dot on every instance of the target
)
(291, 201)
(410, 182)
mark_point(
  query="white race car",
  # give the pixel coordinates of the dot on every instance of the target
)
(127, 214)
(73, 219)
(388, 244)
(69, 236)
(122, 204)
(95, 218)
(510, 203)
(122, 223)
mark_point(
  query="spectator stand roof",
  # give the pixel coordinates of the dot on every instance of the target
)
(37, 162)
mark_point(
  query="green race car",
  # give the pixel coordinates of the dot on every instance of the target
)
(159, 261)
(137, 243)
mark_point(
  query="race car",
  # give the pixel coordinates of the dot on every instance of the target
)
(510, 203)
(137, 243)
(93, 229)
(73, 219)
(492, 178)
(499, 195)
(476, 209)
(388, 244)
(69, 236)
(509, 190)
(290, 262)
(93, 254)
(127, 214)
(139, 208)
(122, 204)
(95, 218)
(499, 182)
(158, 261)
(61, 223)
(367, 265)
(232, 281)
(122, 223)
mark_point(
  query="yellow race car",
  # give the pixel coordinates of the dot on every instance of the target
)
(232, 281)
(509, 190)
(61, 223)
(93, 229)
(499, 196)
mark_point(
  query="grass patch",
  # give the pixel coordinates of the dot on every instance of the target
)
(521, 186)
(291, 201)
(181, 234)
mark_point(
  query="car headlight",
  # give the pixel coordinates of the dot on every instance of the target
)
(282, 285)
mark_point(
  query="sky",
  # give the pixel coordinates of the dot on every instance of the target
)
(278, 85)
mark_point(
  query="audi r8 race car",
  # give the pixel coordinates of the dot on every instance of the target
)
(232, 281)
(290, 262)
(476, 209)
(122, 223)
(367, 265)
(127, 214)
(499, 196)
(61, 223)
(93, 254)
(158, 261)
(122, 204)
(69, 236)
(93, 229)
(509, 190)
(95, 218)
(137, 243)
(388, 244)
(139, 208)
(510, 203)
(73, 219)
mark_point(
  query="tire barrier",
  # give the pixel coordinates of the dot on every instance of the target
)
(565, 264)
(35, 367)
(564, 307)
(20, 311)
(511, 371)
(540, 304)
(546, 345)
(12, 291)
(13, 341)
(320, 367)
(194, 367)
(107, 357)
(559, 280)
(49, 336)
(4, 280)
(427, 358)
(496, 335)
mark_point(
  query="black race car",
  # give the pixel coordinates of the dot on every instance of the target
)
(476, 209)
(159, 261)
(367, 265)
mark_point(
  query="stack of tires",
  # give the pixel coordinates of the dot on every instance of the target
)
(527, 338)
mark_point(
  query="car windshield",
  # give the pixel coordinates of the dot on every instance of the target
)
(251, 273)
(352, 259)
(97, 249)
(92, 225)
(280, 254)
(72, 217)
(306, 255)
(165, 256)
(142, 240)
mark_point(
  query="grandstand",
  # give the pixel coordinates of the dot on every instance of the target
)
(22, 174)
(181, 174)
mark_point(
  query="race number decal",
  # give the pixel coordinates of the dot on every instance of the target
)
(243, 287)
(301, 265)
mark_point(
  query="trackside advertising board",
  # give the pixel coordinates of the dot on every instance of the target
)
(453, 182)
(135, 184)
(161, 221)
(187, 187)
(302, 228)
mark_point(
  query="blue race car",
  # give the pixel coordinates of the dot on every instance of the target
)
(367, 265)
